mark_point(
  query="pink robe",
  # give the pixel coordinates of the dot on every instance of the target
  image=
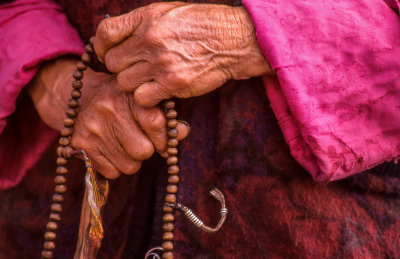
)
(336, 94)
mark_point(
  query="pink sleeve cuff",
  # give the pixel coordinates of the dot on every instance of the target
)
(31, 31)
(337, 91)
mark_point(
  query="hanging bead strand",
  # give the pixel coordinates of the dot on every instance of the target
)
(173, 180)
(64, 152)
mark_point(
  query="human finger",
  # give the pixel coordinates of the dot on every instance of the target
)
(124, 55)
(134, 76)
(150, 94)
(131, 137)
(113, 30)
(154, 124)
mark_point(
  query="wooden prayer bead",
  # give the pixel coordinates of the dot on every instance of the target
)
(86, 58)
(72, 103)
(66, 132)
(65, 151)
(89, 48)
(56, 207)
(47, 254)
(49, 245)
(68, 122)
(68, 152)
(61, 161)
(169, 105)
(172, 142)
(172, 151)
(172, 188)
(60, 151)
(168, 236)
(167, 209)
(172, 123)
(172, 133)
(61, 170)
(50, 235)
(170, 198)
(171, 114)
(52, 226)
(55, 217)
(174, 179)
(168, 255)
(173, 169)
(77, 84)
(71, 112)
(168, 217)
(168, 227)
(60, 188)
(76, 94)
(58, 197)
(172, 160)
(64, 141)
(81, 66)
(77, 75)
(167, 245)
(60, 179)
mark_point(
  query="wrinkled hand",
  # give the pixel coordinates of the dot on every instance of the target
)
(178, 49)
(116, 133)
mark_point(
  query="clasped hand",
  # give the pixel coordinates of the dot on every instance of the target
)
(156, 52)
(166, 50)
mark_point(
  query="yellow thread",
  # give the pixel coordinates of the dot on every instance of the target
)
(96, 226)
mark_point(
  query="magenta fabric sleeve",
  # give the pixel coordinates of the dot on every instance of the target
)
(31, 31)
(337, 91)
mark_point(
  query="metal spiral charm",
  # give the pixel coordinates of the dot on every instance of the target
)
(217, 194)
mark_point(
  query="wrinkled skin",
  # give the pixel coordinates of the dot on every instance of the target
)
(116, 133)
(181, 50)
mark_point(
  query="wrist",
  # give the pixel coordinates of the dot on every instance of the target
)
(249, 61)
(49, 90)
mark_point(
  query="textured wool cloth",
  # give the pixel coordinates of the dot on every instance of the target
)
(275, 208)
(338, 97)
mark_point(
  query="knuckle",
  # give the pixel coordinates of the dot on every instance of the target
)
(156, 119)
(133, 168)
(164, 59)
(94, 128)
(110, 173)
(179, 78)
(123, 82)
(106, 106)
(150, 36)
(108, 29)
(146, 150)
(111, 62)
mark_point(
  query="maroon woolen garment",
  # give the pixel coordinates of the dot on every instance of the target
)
(275, 208)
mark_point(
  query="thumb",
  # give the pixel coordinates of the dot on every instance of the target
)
(114, 30)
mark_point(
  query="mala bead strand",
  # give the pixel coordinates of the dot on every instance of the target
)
(173, 180)
(64, 152)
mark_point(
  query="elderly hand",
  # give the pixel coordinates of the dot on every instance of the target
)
(178, 49)
(116, 133)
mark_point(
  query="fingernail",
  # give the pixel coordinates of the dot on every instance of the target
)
(187, 125)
